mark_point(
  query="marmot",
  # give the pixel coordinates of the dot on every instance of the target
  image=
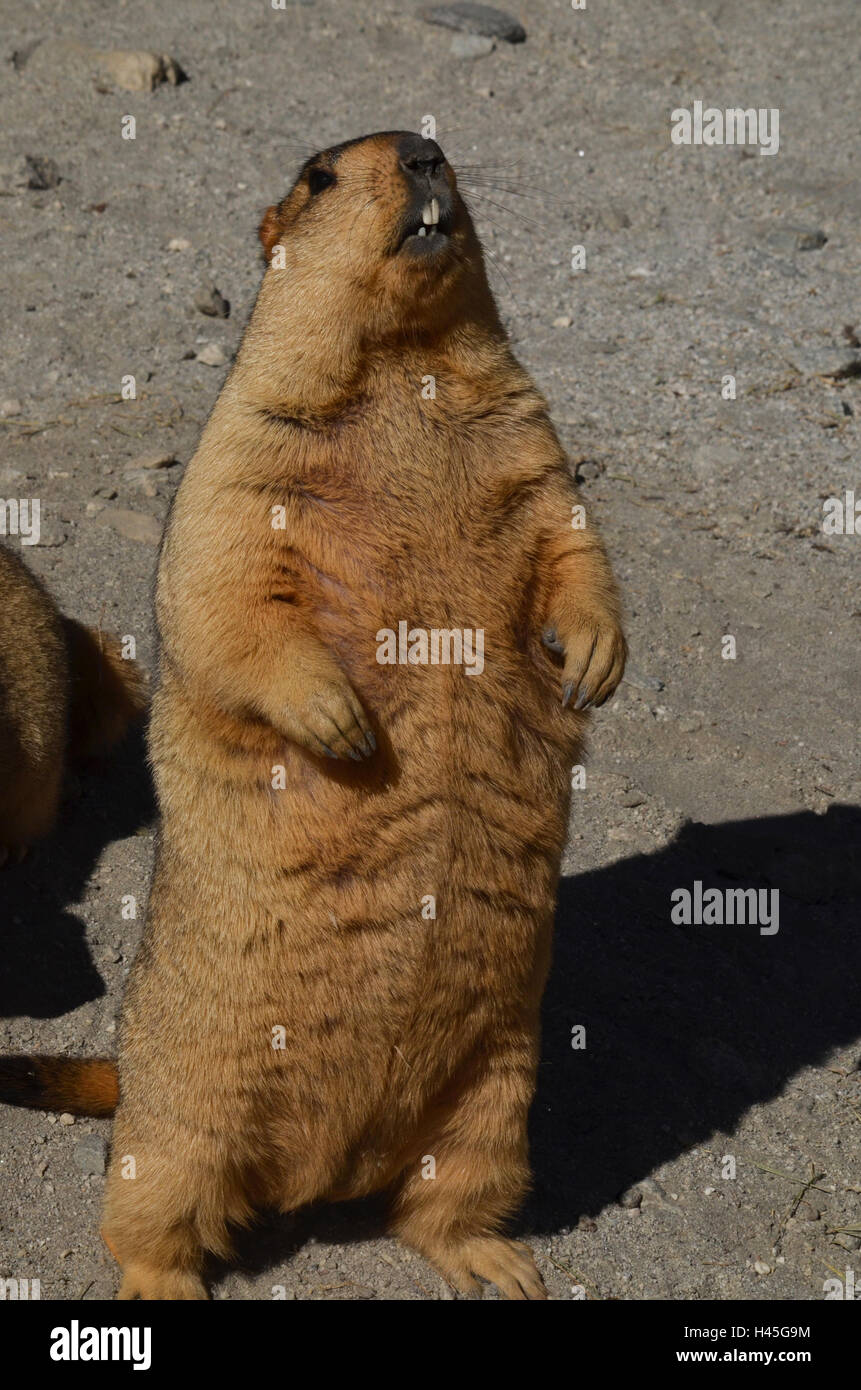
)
(349, 925)
(65, 694)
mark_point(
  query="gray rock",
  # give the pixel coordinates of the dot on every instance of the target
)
(790, 239)
(471, 46)
(475, 19)
(134, 526)
(630, 1198)
(836, 362)
(39, 172)
(808, 1212)
(588, 469)
(210, 301)
(9, 407)
(636, 678)
(212, 355)
(142, 480)
(131, 70)
(150, 461)
(89, 1154)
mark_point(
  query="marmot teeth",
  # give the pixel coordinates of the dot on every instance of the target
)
(430, 213)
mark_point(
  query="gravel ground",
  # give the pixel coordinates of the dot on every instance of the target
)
(705, 1141)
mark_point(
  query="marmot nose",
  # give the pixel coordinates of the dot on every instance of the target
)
(419, 157)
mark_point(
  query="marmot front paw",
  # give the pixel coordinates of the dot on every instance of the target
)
(593, 655)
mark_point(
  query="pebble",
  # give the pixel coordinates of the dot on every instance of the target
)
(134, 526)
(38, 172)
(471, 46)
(67, 1119)
(210, 301)
(141, 480)
(212, 355)
(690, 724)
(138, 71)
(475, 19)
(808, 1212)
(761, 1267)
(179, 243)
(133, 70)
(588, 469)
(631, 1197)
(89, 1154)
(642, 682)
(149, 461)
(562, 322)
(837, 362)
(10, 407)
(788, 239)
(633, 797)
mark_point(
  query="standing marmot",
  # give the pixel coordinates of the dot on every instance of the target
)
(349, 926)
(65, 690)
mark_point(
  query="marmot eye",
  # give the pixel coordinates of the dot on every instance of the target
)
(318, 179)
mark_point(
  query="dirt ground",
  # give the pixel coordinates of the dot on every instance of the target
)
(705, 1142)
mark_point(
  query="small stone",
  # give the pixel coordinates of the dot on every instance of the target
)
(149, 461)
(789, 239)
(142, 481)
(67, 1119)
(39, 172)
(690, 724)
(212, 355)
(210, 301)
(89, 1154)
(562, 322)
(587, 470)
(134, 526)
(808, 1212)
(10, 407)
(586, 1223)
(475, 19)
(838, 363)
(179, 243)
(811, 241)
(95, 506)
(761, 1267)
(64, 60)
(108, 493)
(138, 71)
(471, 46)
(633, 797)
(642, 682)
(631, 1197)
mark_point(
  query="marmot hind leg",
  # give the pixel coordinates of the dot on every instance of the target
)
(480, 1175)
(161, 1223)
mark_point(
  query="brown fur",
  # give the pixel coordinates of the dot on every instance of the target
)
(65, 693)
(406, 1037)
(80, 1086)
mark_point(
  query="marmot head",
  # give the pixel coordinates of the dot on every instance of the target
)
(381, 219)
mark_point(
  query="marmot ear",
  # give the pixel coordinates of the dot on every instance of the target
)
(269, 231)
